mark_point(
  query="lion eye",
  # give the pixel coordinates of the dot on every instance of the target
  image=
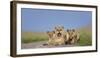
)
(60, 29)
(57, 30)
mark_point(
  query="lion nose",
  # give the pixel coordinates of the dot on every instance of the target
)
(59, 34)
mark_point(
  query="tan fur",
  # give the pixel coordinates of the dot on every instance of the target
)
(66, 37)
(73, 36)
(60, 37)
(51, 36)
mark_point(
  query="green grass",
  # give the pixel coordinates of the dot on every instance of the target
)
(33, 39)
(85, 38)
(29, 37)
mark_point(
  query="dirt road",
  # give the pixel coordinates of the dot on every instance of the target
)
(40, 45)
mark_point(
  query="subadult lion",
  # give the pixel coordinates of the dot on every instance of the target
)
(73, 36)
(59, 35)
(51, 38)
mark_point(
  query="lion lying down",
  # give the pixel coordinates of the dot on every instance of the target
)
(61, 37)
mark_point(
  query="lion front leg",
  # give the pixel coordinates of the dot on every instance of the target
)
(72, 41)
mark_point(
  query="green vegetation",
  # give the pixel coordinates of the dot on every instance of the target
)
(85, 38)
(28, 37)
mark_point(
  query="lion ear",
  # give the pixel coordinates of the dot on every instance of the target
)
(55, 27)
(53, 31)
(67, 30)
(73, 30)
(63, 27)
(47, 32)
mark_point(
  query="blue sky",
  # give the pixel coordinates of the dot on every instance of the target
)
(45, 19)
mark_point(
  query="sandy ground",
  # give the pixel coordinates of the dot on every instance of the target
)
(40, 45)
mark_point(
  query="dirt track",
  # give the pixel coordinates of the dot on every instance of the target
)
(40, 45)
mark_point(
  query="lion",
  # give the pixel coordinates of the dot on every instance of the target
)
(66, 37)
(73, 36)
(56, 37)
(51, 38)
(59, 35)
